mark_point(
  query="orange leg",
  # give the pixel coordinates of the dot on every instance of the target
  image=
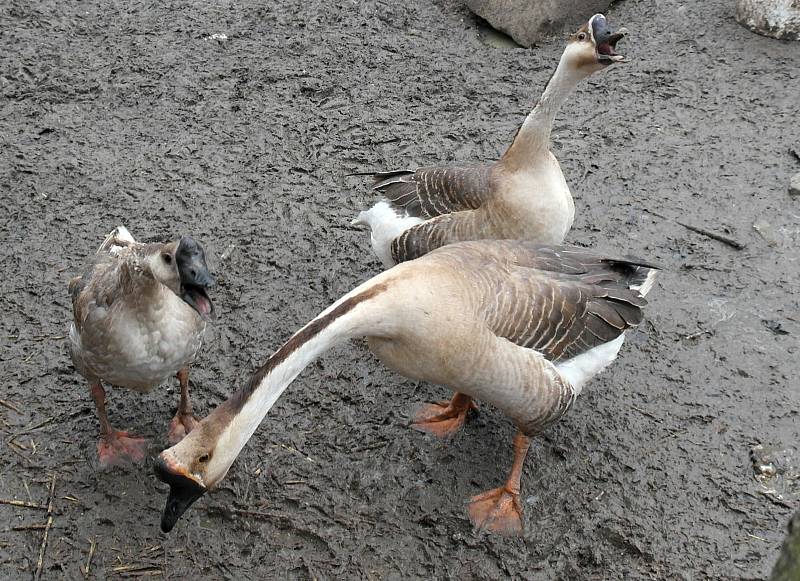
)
(500, 510)
(445, 418)
(183, 422)
(114, 447)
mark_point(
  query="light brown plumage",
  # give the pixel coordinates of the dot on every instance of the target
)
(515, 324)
(522, 196)
(139, 312)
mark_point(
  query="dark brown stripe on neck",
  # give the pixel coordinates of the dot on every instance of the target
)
(238, 399)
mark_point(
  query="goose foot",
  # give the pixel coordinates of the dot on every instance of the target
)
(183, 422)
(498, 511)
(181, 425)
(445, 418)
(117, 448)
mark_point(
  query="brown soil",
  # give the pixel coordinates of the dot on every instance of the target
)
(126, 112)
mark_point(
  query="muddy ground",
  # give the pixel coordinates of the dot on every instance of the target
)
(126, 112)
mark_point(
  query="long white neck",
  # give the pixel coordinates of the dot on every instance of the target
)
(533, 138)
(355, 315)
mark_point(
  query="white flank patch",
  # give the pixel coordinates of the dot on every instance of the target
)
(582, 368)
(385, 226)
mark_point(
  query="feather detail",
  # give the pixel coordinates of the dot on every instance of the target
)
(435, 191)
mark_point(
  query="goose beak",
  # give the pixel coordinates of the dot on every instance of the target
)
(184, 490)
(195, 276)
(605, 40)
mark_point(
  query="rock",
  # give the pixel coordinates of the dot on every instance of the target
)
(788, 566)
(794, 185)
(494, 38)
(775, 18)
(767, 231)
(528, 21)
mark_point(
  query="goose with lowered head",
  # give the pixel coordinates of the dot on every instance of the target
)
(518, 325)
(522, 196)
(139, 313)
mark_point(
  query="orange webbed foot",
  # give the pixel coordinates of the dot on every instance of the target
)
(118, 448)
(498, 511)
(445, 418)
(181, 425)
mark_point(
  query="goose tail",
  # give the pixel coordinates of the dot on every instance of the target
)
(643, 279)
(118, 239)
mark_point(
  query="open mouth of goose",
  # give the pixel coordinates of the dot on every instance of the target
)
(607, 50)
(605, 40)
(196, 297)
(195, 277)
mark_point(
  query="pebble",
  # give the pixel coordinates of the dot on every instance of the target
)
(794, 185)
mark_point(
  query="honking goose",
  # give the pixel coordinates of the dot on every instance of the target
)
(518, 325)
(522, 196)
(139, 313)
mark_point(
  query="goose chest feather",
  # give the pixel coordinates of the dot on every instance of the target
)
(538, 218)
(139, 338)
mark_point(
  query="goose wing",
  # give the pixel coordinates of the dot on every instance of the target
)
(434, 233)
(95, 289)
(560, 301)
(96, 286)
(435, 191)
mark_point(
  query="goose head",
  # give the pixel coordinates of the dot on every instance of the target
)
(181, 267)
(593, 46)
(196, 464)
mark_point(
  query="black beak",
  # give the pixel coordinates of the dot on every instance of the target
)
(195, 276)
(601, 31)
(183, 492)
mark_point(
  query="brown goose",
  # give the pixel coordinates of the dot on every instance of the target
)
(515, 324)
(522, 196)
(139, 313)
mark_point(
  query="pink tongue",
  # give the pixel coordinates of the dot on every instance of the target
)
(605, 48)
(203, 305)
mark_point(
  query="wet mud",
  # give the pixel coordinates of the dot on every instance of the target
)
(132, 113)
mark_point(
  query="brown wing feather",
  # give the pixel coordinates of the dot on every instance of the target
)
(435, 233)
(560, 301)
(435, 191)
(562, 319)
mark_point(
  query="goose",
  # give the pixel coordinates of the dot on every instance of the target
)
(139, 313)
(521, 196)
(519, 325)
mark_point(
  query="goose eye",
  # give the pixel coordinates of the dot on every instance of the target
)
(167, 258)
(203, 459)
(582, 36)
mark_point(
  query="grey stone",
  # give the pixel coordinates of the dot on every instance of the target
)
(775, 18)
(528, 21)
(788, 566)
(794, 185)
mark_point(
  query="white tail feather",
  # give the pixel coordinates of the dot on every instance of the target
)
(580, 369)
(385, 225)
(118, 239)
(647, 285)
